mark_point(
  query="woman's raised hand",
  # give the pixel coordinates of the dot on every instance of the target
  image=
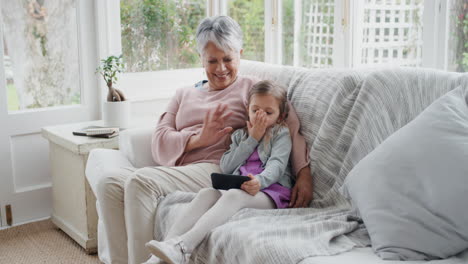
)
(257, 127)
(213, 128)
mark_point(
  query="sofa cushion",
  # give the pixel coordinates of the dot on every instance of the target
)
(411, 190)
(366, 256)
(135, 143)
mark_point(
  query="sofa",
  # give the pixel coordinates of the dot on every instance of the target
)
(345, 114)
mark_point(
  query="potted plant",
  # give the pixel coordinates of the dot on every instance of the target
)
(116, 110)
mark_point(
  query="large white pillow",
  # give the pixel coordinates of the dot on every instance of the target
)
(412, 190)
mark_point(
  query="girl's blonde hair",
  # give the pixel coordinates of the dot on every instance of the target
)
(279, 93)
(275, 90)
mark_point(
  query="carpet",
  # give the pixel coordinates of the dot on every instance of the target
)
(40, 242)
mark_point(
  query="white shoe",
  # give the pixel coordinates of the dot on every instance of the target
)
(172, 251)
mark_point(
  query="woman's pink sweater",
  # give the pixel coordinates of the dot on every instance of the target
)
(184, 117)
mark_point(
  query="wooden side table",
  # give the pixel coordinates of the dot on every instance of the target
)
(74, 203)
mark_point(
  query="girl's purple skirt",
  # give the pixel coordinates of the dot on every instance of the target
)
(279, 194)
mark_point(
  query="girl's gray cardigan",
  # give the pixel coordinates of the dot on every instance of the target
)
(274, 156)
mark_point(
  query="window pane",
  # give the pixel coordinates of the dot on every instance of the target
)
(391, 33)
(313, 45)
(458, 38)
(250, 15)
(40, 53)
(11, 90)
(160, 34)
(288, 32)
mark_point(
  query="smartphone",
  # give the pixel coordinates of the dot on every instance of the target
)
(223, 181)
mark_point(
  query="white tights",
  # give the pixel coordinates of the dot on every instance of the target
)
(210, 209)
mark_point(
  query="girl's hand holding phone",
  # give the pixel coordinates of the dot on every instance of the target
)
(252, 187)
(258, 125)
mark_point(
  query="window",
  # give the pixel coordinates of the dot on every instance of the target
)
(157, 37)
(458, 36)
(159, 34)
(390, 32)
(308, 33)
(252, 15)
(317, 31)
(287, 34)
(40, 53)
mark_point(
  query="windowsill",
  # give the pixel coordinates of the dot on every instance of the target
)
(46, 109)
(149, 86)
(159, 85)
(141, 99)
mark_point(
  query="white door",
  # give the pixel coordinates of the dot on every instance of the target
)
(47, 78)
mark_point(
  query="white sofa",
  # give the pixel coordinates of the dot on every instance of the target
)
(323, 90)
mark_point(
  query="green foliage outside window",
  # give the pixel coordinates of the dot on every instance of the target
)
(288, 32)
(250, 14)
(461, 34)
(160, 34)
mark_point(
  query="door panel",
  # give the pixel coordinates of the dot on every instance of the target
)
(30, 168)
(50, 69)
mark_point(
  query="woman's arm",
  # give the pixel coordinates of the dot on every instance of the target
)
(239, 151)
(168, 144)
(299, 153)
(301, 194)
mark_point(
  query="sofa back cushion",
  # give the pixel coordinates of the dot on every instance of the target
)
(345, 114)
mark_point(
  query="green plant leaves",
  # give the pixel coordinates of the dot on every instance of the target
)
(110, 67)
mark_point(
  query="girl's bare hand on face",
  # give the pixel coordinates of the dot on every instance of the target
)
(258, 126)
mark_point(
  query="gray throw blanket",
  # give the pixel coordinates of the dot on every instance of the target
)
(344, 115)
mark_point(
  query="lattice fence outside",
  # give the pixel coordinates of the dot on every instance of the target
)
(317, 31)
(392, 32)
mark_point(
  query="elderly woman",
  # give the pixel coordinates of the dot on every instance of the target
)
(188, 142)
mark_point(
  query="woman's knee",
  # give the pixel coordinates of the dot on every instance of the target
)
(134, 183)
(110, 186)
(143, 182)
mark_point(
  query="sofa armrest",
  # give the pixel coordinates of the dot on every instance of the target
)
(101, 161)
(135, 144)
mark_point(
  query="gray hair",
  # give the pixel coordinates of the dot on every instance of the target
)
(223, 31)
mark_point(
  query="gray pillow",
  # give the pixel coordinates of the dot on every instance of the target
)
(412, 190)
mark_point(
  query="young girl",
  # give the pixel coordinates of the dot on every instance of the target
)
(259, 151)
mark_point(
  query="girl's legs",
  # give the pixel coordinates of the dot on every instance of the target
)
(204, 200)
(230, 203)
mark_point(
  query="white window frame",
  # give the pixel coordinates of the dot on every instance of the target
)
(435, 34)
(346, 50)
(166, 81)
(273, 30)
(342, 55)
(436, 39)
